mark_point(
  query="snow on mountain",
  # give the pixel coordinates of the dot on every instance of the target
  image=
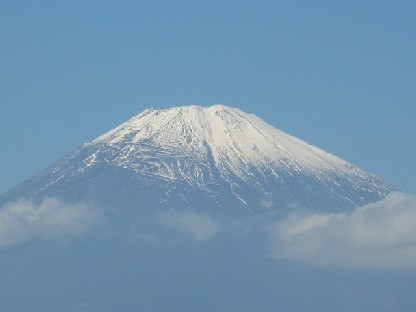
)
(235, 140)
(204, 158)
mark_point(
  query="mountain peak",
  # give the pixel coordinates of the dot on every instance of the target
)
(233, 137)
(213, 157)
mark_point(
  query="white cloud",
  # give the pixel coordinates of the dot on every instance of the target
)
(381, 234)
(199, 227)
(23, 220)
(266, 203)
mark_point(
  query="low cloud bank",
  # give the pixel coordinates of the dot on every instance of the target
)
(199, 227)
(378, 235)
(23, 220)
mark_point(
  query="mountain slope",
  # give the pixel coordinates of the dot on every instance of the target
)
(215, 158)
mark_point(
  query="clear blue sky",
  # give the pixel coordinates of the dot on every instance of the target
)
(338, 74)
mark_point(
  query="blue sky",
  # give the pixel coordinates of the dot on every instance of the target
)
(340, 75)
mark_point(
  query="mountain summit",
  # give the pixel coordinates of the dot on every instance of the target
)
(215, 158)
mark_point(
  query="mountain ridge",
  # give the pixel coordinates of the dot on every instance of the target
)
(193, 156)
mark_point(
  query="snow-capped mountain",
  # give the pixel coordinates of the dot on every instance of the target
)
(215, 158)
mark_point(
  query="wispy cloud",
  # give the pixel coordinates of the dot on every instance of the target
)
(266, 203)
(381, 234)
(199, 227)
(378, 235)
(23, 220)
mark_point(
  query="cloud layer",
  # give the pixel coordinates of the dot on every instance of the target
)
(381, 234)
(199, 227)
(23, 220)
(378, 235)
